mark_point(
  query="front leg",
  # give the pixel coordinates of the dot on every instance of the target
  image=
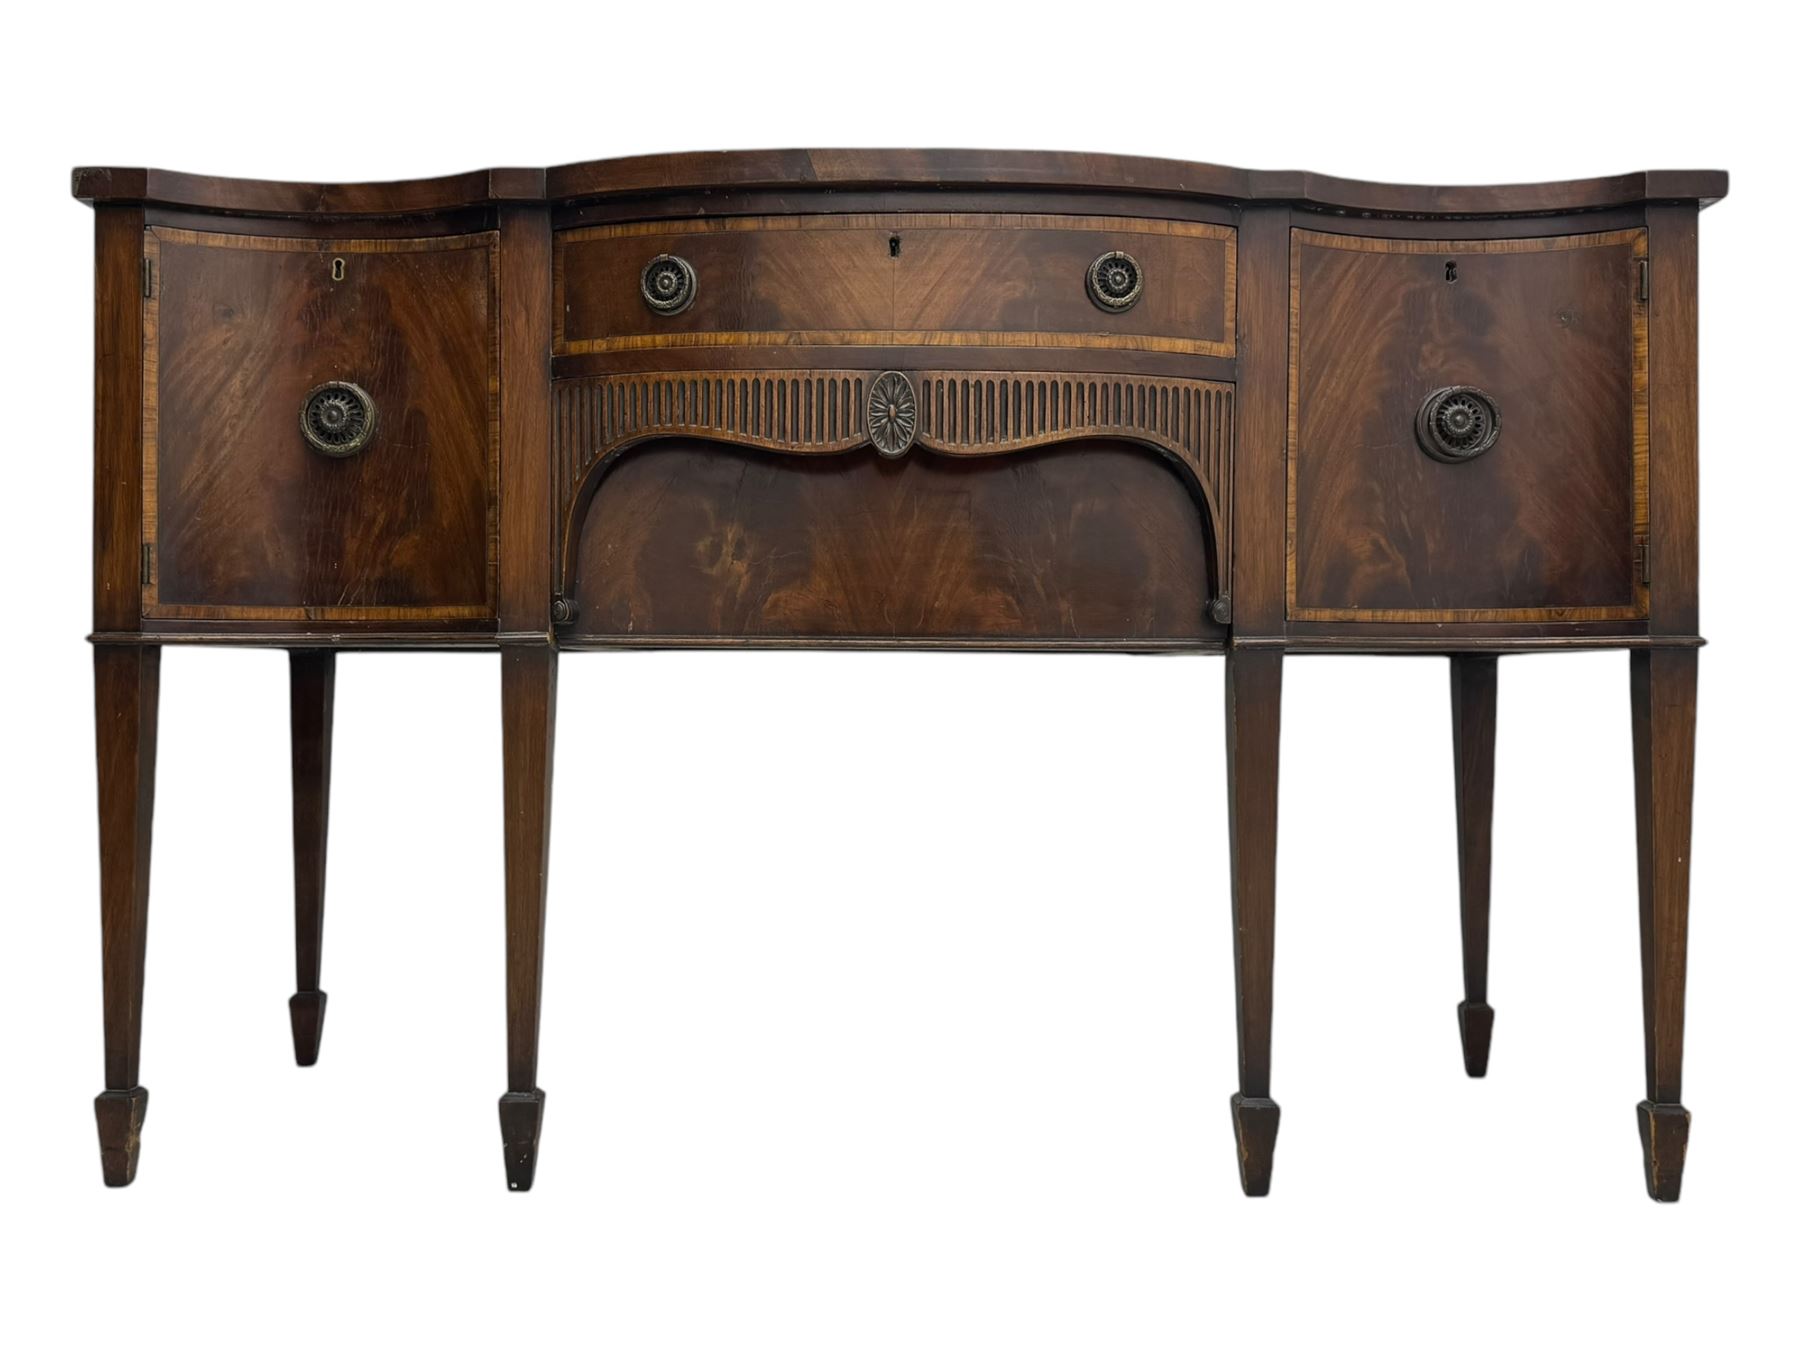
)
(1662, 724)
(312, 678)
(1252, 757)
(125, 698)
(528, 723)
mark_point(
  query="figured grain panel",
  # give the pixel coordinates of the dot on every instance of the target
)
(961, 413)
(908, 279)
(1546, 526)
(983, 413)
(248, 522)
(1094, 542)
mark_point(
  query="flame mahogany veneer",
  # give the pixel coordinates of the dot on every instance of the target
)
(949, 399)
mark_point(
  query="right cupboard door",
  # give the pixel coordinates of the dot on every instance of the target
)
(1467, 429)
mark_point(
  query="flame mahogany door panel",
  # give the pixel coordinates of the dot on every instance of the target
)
(245, 519)
(1546, 524)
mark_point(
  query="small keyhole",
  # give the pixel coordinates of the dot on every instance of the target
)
(337, 269)
(1450, 273)
(893, 246)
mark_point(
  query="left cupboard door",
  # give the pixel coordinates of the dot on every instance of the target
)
(320, 427)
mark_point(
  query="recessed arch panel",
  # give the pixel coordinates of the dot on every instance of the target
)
(1030, 507)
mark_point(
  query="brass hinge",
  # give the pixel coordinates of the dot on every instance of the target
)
(149, 278)
(1643, 281)
(147, 562)
(1643, 561)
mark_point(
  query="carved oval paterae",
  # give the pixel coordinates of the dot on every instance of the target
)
(1115, 281)
(337, 418)
(668, 283)
(892, 414)
(1457, 423)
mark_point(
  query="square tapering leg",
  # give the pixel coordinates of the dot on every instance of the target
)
(1663, 688)
(126, 683)
(312, 682)
(1473, 689)
(528, 718)
(1252, 753)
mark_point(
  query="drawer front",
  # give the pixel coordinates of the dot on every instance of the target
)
(248, 518)
(778, 506)
(899, 280)
(1468, 429)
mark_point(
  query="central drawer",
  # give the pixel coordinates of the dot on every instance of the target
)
(773, 506)
(971, 280)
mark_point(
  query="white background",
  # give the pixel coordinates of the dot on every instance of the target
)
(889, 996)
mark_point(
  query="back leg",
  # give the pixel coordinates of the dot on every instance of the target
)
(1472, 697)
(312, 678)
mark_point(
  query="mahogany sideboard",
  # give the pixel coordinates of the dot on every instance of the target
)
(880, 399)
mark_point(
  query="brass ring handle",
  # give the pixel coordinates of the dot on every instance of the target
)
(337, 418)
(668, 284)
(1457, 423)
(1115, 281)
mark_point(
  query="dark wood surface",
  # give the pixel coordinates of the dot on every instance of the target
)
(1546, 524)
(1229, 465)
(1474, 689)
(899, 279)
(1663, 684)
(652, 175)
(118, 418)
(1252, 767)
(1259, 479)
(246, 519)
(312, 687)
(649, 175)
(974, 414)
(1095, 540)
(205, 192)
(526, 469)
(528, 723)
(125, 706)
(757, 277)
(1674, 552)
